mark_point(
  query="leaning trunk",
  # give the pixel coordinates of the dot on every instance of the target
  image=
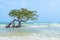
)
(11, 23)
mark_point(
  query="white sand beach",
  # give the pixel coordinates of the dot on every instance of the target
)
(29, 38)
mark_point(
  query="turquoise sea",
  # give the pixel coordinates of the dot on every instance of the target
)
(47, 31)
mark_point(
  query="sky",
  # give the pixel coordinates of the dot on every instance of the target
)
(48, 10)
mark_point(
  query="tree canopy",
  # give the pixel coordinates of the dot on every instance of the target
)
(23, 14)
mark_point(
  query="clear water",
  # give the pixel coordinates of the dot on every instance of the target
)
(40, 31)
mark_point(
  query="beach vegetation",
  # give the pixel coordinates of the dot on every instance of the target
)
(23, 15)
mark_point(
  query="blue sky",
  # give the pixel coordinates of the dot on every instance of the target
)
(48, 10)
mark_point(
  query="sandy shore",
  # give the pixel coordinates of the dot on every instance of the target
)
(29, 38)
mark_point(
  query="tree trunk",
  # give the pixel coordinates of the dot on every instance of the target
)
(19, 24)
(9, 25)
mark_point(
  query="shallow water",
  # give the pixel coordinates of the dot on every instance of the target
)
(49, 32)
